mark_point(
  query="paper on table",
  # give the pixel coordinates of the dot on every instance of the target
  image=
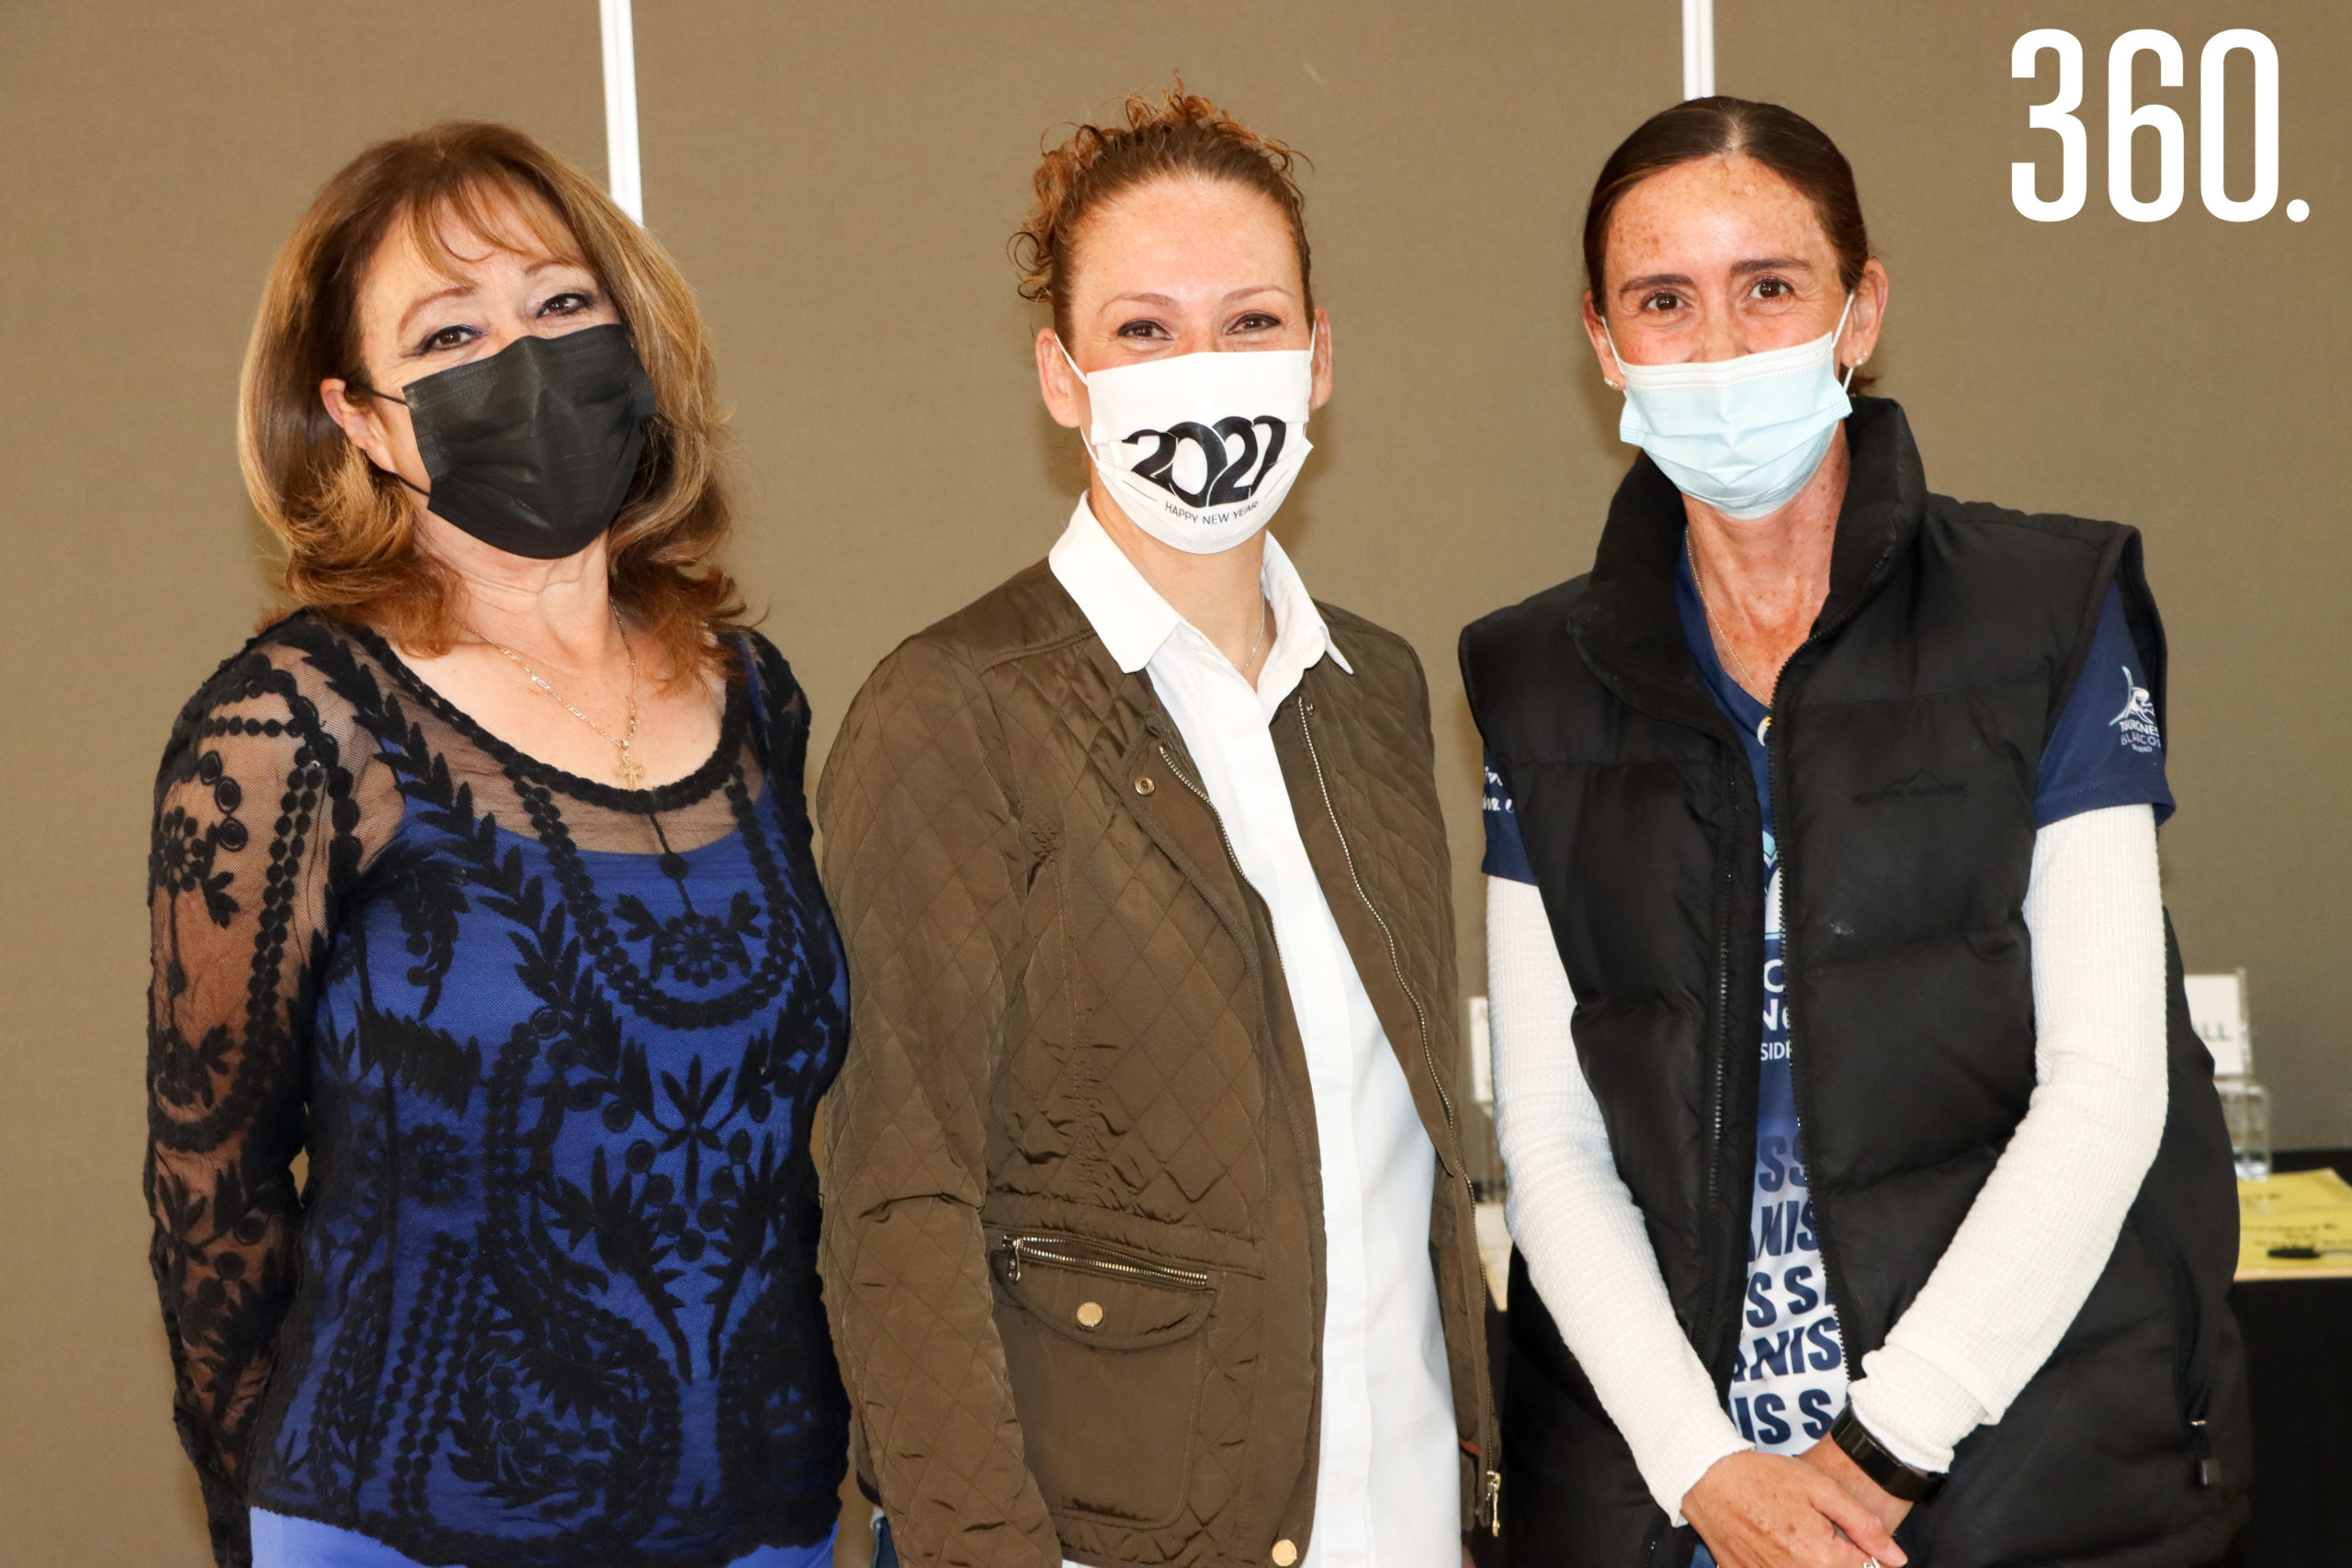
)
(2302, 1207)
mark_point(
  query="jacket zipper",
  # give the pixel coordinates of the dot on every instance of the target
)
(1723, 1056)
(1776, 773)
(1186, 780)
(1280, 969)
(1046, 1249)
(1396, 963)
(1491, 1493)
(1232, 859)
(1281, 1096)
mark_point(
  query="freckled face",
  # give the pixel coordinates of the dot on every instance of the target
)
(1720, 257)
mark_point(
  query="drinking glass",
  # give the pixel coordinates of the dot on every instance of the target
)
(2245, 1106)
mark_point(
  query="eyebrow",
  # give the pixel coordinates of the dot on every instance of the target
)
(457, 291)
(1147, 298)
(1739, 269)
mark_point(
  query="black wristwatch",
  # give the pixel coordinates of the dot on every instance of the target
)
(1908, 1482)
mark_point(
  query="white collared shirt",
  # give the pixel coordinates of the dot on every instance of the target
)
(1389, 1486)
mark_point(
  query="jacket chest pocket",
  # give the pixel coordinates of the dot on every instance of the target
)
(1107, 1359)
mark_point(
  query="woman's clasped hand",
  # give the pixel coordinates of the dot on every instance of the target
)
(1870, 1199)
(1760, 1510)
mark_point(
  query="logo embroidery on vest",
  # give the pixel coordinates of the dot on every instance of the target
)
(2138, 719)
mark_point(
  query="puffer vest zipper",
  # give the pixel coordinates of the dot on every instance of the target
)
(1951, 639)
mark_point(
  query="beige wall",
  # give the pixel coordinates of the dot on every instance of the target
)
(839, 182)
(2188, 376)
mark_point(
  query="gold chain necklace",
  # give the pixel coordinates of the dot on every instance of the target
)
(632, 772)
(1723, 643)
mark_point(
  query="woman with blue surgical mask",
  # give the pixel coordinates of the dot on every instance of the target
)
(1148, 1239)
(1870, 1200)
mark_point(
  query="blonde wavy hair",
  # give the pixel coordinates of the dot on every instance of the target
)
(349, 529)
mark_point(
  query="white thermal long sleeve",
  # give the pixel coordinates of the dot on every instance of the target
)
(2015, 1275)
(1572, 1218)
(2044, 1226)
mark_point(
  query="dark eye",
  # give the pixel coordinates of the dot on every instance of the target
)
(447, 338)
(1256, 321)
(1663, 300)
(569, 303)
(1773, 288)
(1143, 327)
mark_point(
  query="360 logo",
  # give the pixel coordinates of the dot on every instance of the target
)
(2126, 119)
(1222, 470)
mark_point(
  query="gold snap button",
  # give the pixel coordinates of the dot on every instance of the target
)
(1090, 1314)
(1284, 1555)
(1144, 785)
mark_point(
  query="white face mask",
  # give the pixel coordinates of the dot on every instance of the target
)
(1201, 449)
(1744, 434)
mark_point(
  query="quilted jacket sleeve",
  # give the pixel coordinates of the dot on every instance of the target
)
(922, 857)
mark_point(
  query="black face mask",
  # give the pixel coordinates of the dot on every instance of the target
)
(532, 450)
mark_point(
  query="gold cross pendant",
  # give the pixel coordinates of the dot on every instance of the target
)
(632, 770)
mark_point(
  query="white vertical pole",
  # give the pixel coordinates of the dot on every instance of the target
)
(625, 183)
(1698, 48)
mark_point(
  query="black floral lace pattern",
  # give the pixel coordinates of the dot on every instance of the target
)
(547, 1295)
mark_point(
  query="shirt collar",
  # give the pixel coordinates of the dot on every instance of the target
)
(1135, 622)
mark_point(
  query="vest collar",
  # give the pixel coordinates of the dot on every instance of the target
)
(1625, 623)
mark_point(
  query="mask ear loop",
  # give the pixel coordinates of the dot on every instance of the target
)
(1611, 339)
(366, 391)
(1085, 437)
(1847, 384)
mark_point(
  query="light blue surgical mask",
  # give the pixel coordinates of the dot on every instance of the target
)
(1744, 434)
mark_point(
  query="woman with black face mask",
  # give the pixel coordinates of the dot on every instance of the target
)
(483, 880)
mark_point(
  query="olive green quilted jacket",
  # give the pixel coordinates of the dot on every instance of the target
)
(1073, 1241)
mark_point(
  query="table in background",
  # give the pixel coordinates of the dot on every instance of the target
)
(2298, 1377)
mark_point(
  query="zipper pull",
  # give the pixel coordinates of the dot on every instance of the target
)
(1012, 1259)
(2201, 1444)
(1494, 1502)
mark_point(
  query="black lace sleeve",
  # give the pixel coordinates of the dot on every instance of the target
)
(255, 831)
(782, 720)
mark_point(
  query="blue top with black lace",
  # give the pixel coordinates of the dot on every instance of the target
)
(552, 1050)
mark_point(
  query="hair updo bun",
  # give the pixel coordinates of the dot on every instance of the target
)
(1181, 136)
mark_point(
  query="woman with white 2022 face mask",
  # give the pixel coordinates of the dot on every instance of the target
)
(1148, 1238)
(1870, 1197)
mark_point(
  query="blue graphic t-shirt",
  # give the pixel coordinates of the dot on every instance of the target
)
(1788, 1382)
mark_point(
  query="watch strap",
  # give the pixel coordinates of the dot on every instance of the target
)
(1893, 1475)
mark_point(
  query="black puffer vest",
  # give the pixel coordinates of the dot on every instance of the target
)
(1907, 732)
